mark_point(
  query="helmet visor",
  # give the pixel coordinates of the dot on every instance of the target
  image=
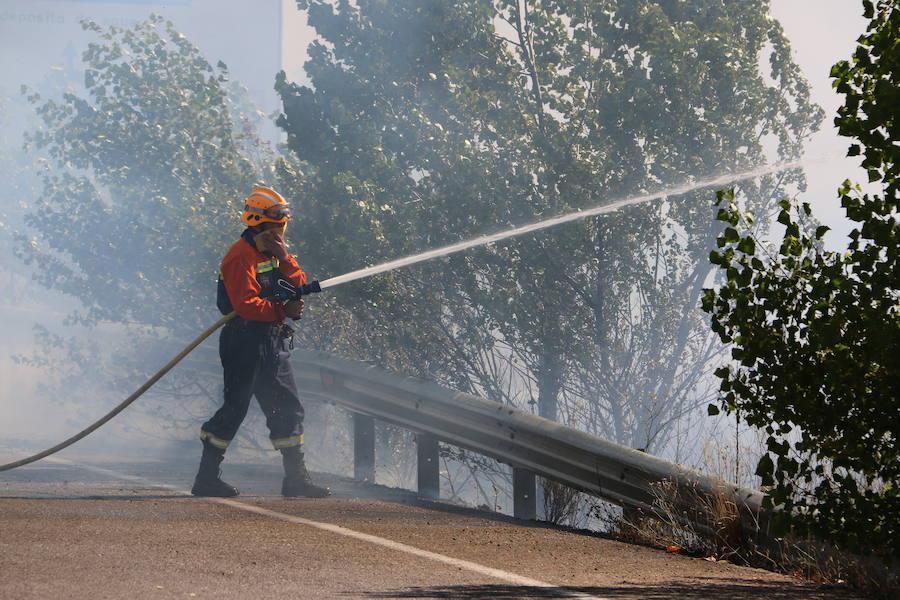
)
(277, 212)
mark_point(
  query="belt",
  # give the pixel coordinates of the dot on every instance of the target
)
(263, 328)
(254, 326)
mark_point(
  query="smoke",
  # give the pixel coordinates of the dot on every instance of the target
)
(62, 366)
(75, 369)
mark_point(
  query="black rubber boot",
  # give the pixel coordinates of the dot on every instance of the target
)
(207, 482)
(297, 483)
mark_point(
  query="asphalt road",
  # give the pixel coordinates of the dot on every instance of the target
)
(128, 531)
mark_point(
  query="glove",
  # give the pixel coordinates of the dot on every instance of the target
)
(294, 308)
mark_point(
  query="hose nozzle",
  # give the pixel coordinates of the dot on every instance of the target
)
(309, 288)
(286, 291)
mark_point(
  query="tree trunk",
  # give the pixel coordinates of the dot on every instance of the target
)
(549, 384)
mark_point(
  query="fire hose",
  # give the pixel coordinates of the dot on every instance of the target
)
(285, 292)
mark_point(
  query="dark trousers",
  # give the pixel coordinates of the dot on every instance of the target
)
(255, 359)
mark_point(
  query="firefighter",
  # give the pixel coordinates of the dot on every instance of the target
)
(254, 349)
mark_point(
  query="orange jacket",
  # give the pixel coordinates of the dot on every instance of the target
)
(244, 272)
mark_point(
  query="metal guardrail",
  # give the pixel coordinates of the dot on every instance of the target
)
(531, 444)
(611, 471)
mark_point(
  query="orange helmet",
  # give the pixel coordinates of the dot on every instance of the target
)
(265, 205)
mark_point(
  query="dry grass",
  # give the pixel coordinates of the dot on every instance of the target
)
(562, 505)
(713, 527)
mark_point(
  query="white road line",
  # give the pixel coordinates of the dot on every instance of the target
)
(353, 534)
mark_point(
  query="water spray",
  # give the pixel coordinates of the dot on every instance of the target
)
(286, 291)
(566, 218)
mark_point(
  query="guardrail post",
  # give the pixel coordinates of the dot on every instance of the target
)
(428, 466)
(630, 514)
(524, 494)
(363, 447)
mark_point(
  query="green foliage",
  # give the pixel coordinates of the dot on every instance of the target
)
(140, 181)
(816, 334)
(429, 122)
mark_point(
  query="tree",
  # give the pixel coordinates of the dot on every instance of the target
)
(141, 177)
(428, 122)
(816, 334)
(144, 170)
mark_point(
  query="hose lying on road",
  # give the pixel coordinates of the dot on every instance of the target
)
(137, 394)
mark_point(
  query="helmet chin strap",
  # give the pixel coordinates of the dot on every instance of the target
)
(261, 227)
